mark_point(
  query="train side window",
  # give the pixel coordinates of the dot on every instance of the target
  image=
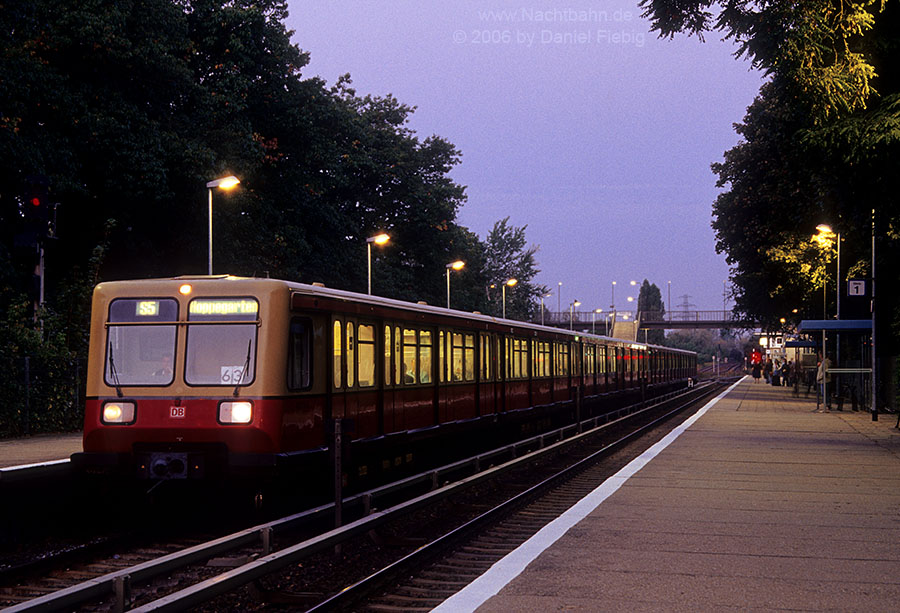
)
(399, 371)
(338, 352)
(387, 355)
(366, 355)
(563, 359)
(441, 357)
(457, 358)
(486, 361)
(470, 357)
(409, 356)
(351, 355)
(425, 356)
(300, 355)
(538, 358)
(519, 358)
(515, 354)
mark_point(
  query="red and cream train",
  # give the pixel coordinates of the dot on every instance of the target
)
(193, 377)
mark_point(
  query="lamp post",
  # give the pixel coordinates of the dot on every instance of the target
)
(574, 304)
(224, 183)
(559, 300)
(594, 320)
(823, 238)
(669, 303)
(542, 306)
(612, 304)
(457, 265)
(378, 239)
(874, 387)
(509, 283)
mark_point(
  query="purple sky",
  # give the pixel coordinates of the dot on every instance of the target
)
(572, 119)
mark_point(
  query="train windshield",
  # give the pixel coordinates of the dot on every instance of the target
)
(140, 342)
(221, 341)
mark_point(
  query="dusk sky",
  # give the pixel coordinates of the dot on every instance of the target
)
(572, 119)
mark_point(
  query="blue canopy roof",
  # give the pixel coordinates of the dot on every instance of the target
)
(841, 325)
(793, 344)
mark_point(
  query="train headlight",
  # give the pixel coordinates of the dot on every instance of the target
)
(240, 412)
(118, 412)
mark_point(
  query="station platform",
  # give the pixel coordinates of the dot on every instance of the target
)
(38, 449)
(755, 503)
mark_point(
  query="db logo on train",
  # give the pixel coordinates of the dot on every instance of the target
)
(177, 412)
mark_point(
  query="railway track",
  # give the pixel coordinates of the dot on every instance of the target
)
(433, 573)
(281, 562)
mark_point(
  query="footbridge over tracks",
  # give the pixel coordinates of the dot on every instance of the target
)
(626, 325)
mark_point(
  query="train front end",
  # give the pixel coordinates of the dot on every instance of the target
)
(175, 388)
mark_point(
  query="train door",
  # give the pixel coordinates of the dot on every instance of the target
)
(488, 374)
(353, 376)
(391, 414)
(620, 368)
(443, 399)
(338, 369)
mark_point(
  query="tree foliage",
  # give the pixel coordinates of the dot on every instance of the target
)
(818, 145)
(507, 256)
(127, 109)
(815, 46)
(650, 306)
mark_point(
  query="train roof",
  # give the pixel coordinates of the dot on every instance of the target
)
(254, 285)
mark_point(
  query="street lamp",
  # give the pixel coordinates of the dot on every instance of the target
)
(824, 238)
(378, 239)
(457, 265)
(559, 299)
(542, 306)
(669, 303)
(574, 304)
(224, 183)
(509, 283)
(594, 320)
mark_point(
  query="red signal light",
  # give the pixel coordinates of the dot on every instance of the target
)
(35, 201)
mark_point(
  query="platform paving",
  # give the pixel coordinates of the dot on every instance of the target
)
(39, 448)
(760, 505)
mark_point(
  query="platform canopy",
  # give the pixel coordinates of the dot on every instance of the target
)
(840, 325)
(798, 344)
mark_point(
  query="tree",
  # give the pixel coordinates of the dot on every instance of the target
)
(507, 257)
(650, 307)
(820, 144)
(816, 47)
(130, 108)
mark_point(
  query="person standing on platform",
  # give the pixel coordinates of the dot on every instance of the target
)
(823, 378)
(767, 370)
(756, 365)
